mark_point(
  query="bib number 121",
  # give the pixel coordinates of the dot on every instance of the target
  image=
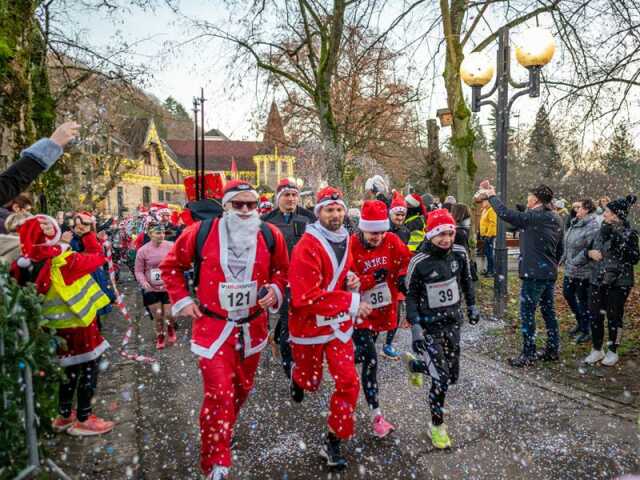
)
(239, 299)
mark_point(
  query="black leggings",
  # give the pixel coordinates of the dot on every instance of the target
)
(365, 343)
(611, 300)
(442, 363)
(83, 378)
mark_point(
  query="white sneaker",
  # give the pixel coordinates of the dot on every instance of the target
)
(594, 357)
(218, 473)
(610, 359)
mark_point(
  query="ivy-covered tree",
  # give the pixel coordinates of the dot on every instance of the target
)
(176, 109)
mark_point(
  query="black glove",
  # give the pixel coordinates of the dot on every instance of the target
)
(474, 314)
(402, 288)
(418, 342)
(380, 275)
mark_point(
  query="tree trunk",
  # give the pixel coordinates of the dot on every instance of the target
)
(333, 151)
(462, 135)
(16, 36)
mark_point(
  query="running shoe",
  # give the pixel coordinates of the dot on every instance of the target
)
(594, 357)
(415, 378)
(218, 473)
(382, 428)
(91, 426)
(439, 436)
(160, 343)
(171, 335)
(330, 451)
(522, 361)
(61, 424)
(610, 359)
(390, 352)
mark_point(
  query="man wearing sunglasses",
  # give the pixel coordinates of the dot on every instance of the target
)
(240, 278)
(292, 220)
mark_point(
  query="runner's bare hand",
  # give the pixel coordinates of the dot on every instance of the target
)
(65, 133)
(269, 300)
(364, 309)
(66, 236)
(192, 311)
(353, 282)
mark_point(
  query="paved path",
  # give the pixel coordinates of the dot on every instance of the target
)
(502, 427)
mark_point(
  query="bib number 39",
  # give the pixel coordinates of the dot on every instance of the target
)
(237, 296)
(443, 294)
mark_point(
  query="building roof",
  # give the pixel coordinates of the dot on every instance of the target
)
(215, 133)
(218, 154)
(134, 132)
(274, 131)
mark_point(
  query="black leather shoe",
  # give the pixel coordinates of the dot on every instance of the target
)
(331, 452)
(522, 361)
(548, 356)
(297, 393)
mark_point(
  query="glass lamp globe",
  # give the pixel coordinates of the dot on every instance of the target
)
(476, 69)
(535, 47)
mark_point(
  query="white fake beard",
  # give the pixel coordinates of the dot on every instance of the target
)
(243, 230)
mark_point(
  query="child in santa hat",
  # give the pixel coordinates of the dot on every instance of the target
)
(436, 274)
(380, 261)
(72, 299)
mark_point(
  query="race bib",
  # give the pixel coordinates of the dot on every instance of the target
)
(379, 296)
(323, 321)
(443, 294)
(155, 277)
(234, 296)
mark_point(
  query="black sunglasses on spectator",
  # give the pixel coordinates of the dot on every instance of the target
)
(238, 205)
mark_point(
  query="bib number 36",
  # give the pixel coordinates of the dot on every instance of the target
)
(379, 296)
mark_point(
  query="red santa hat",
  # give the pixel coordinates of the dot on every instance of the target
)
(398, 203)
(285, 185)
(414, 200)
(439, 221)
(234, 187)
(35, 245)
(328, 196)
(86, 216)
(265, 205)
(374, 217)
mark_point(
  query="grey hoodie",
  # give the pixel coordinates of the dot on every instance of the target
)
(577, 241)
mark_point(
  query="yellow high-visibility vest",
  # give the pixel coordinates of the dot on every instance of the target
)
(75, 305)
(416, 237)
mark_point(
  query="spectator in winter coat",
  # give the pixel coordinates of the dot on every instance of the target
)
(540, 252)
(488, 232)
(615, 251)
(578, 239)
(34, 160)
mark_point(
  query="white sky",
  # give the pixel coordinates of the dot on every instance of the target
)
(233, 110)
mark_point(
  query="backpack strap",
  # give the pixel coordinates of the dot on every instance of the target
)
(203, 234)
(268, 237)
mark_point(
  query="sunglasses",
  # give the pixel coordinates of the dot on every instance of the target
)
(238, 205)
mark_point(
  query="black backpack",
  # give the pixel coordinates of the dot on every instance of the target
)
(203, 234)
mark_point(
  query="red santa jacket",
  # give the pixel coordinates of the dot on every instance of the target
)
(391, 255)
(321, 308)
(210, 332)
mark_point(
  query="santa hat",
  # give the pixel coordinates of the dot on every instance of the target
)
(328, 196)
(33, 242)
(415, 201)
(234, 187)
(439, 221)
(285, 185)
(374, 217)
(398, 203)
(86, 216)
(265, 204)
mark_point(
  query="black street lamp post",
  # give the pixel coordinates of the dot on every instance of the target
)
(476, 71)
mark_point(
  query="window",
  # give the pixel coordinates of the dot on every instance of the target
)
(160, 196)
(272, 167)
(146, 196)
(167, 196)
(120, 200)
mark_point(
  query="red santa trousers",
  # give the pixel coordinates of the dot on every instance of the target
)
(307, 373)
(228, 379)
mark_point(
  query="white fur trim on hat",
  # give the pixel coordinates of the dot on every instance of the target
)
(373, 225)
(412, 202)
(284, 190)
(445, 227)
(229, 195)
(398, 209)
(326, 202)
(56, 237)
